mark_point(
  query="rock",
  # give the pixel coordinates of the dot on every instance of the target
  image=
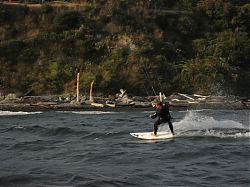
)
(67, 99)
(11, 96)
(2, 97)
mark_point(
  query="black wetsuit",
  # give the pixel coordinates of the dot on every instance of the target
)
(163, 117)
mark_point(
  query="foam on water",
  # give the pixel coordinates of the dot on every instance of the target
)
(94, 112)
(197, 124)
(89, 112)
(10, 113)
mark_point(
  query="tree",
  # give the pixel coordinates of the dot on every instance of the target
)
(205, 76)
(241, 21)
(68, 21)
(233, 47)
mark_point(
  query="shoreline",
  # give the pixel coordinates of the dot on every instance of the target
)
(31, 108)
(176, 102)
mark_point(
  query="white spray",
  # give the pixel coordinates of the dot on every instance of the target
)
(197, 124)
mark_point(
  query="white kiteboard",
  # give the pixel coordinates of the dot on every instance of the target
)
(149, 136)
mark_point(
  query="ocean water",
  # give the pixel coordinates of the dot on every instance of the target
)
(94, 148)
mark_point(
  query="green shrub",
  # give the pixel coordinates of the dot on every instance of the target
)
(68, 21)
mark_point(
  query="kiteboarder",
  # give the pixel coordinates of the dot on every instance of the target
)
(163, 115)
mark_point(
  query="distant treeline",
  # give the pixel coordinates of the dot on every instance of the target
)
(190, 46)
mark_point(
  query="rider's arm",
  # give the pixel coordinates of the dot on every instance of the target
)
(153, 116)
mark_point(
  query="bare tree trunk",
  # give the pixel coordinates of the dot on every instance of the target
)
(90, 92)
(77, 87)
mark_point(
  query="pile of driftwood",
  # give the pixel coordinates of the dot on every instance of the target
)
(122, 99)
(211, 101)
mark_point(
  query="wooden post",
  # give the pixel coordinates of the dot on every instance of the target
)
(77, 87)
(160, 97)
(90, 92)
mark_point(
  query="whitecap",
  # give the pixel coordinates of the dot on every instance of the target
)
(89, 112)
(11, 113)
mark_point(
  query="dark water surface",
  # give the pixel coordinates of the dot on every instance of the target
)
(94, 148)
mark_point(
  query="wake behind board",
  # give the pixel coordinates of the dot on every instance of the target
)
(149, 136)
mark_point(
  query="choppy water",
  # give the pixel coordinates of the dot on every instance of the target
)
(94, 148)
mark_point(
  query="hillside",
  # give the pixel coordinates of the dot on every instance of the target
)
(194, 46)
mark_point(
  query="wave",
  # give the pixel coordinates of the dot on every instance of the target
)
(31, 129)
(148, 111)
(99, 180)
(44, 131)
(60, 131)
(10, 113)
(11, 180)
(196, 124)
(218, 133)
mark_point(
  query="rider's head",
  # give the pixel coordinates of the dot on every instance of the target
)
(159, 105)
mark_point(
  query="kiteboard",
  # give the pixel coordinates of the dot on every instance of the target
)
(149, 136)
